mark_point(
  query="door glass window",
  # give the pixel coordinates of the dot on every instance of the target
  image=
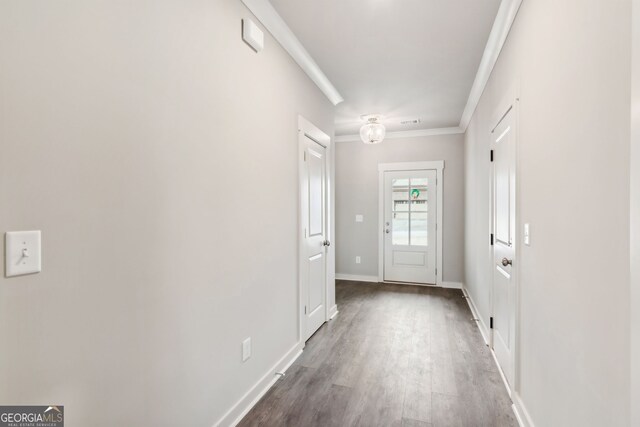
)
(418, 229)
(400, 199)
(400, 224)
(410, 211)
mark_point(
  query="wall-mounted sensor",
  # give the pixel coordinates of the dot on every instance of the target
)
(252, 35)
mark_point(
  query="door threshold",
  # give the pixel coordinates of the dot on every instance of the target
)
(428, 285)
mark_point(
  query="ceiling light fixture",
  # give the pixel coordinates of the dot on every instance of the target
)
(373, 131)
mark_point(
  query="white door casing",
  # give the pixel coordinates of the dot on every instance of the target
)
(410, 242)
(504, 263)
(314, 242)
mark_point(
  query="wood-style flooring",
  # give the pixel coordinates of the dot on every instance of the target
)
(395, 355)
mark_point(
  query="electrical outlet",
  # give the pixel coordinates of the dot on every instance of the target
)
(357, 260)
(246, 349)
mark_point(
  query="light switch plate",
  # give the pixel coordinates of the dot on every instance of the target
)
(246, 349)
(527, 235)
(22, 253)
(359, 218)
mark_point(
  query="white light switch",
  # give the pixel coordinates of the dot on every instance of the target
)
(246, 349)
(357, 260)
(22, 253)
(527, 235)
(359, 218)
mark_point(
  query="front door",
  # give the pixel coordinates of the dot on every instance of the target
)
(504, 220)
(410, 226)
(314, 205)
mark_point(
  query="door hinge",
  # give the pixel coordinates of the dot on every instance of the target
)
(436, 271)
(305, 156)
(491, 239)
(492, 155)
(491, 323)
(305, 309)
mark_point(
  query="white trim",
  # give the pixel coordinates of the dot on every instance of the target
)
(273, 22)
(234, 415)
(410, 166)
(452, 285)
(308, 129)
(522, 415)
(517, 415)
(356, 278)
(406, 134)
(497, 38)
(484, 331)
(501, 372)
(424, 285)
(333, 312)
(438, 166)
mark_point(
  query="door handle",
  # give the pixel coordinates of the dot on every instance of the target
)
(326, 243)
(387, 231)
(506, 262)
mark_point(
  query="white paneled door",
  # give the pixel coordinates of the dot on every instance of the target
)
(315, 243)
(410, 226)
(504, 226)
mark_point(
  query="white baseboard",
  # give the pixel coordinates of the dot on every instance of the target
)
(357, 278)
(522, 415)
(248, 401)
(333, 311)
(484, 331)
(501, 372)
(452, 285)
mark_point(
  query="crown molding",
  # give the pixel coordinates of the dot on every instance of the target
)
(273, 22)
(406, 134)
(498, 36)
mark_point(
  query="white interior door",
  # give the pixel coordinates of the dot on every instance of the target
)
(504, 217)
(315, 243)
(410, 226)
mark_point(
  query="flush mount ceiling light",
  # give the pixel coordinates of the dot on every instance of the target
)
(373, 131)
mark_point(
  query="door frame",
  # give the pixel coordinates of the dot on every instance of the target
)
(308, 129)
(510, 102)
(438, 166)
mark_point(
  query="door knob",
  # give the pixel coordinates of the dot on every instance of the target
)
(506, 262)
(387, 231)
(326, 243)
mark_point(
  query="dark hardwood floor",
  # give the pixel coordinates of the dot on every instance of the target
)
(395, 355)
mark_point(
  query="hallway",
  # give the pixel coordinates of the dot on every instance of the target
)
(395, 355)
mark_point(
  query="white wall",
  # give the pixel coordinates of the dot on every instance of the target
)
(134, 134)
(357, 193)
(572, 62)
(635, 216)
